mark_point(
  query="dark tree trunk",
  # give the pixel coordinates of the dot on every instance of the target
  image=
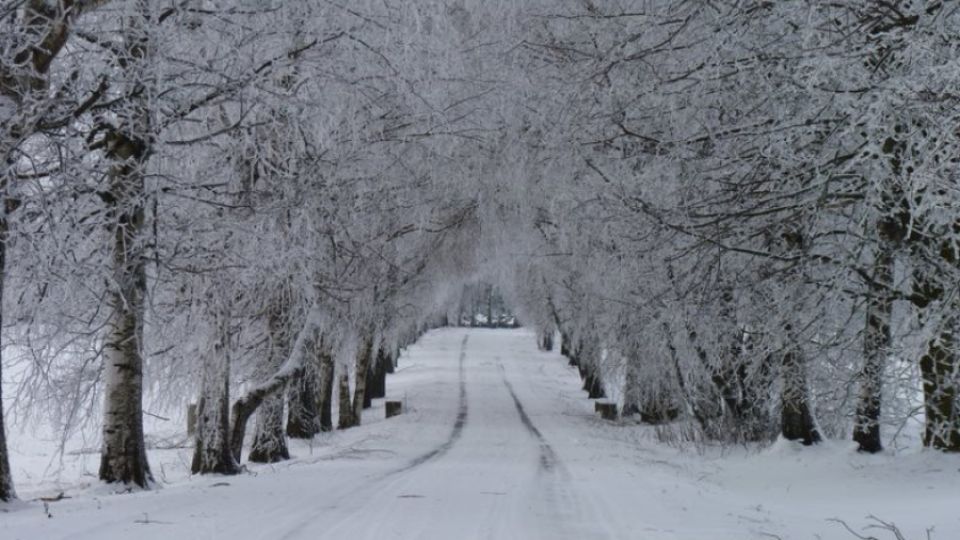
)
(707, 400)
(6, 477)
(733, 410)
(756, 423)
(876, 347)
(209, 454)
(241, 412)
(573, 354)
(593, 384)
(269, 443)
(565, 348)
(368, 387)
(377, 387)
(546, 341)
(326, 390)
(269, 439)
(346, 420)
(940, 371)
(212, 452)
(490, 321)
(303, 417)
(940, 365)
(382, 377)
(631, 389)
(797, 421)
(364, 358)
(244, 407)
(588, 371)
(657, 408)
(391, 366)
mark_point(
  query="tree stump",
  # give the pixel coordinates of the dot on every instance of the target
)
(608, 411)
(393, 408)
(658, 413)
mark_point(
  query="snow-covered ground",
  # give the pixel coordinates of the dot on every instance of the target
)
(498, 441)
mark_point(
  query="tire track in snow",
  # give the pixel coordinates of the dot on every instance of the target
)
(567, 515)
(548, 458)
(458, 424)
(374, 483)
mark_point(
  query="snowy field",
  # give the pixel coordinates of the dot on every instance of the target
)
(497, 441)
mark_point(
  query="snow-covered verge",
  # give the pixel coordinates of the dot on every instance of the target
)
(497, 441)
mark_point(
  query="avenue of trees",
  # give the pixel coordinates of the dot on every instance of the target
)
(752, 221)
(742, 216)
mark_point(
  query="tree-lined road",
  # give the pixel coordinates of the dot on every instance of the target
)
(495, 476)
(497, 441)
(467, 460)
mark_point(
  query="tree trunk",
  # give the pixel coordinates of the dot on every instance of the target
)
(346, 419)
(379, 387)
(940, 372)
(269, 442)
(656, 410)
(368, 391)
(269, 439)
(7, 146)
(797, 421)
(631, 389)
(545, 341)
(391, 366)
(326, 390)
(303, 420)
(7, 492)
(940, 365)
(244, 407)
(593, 384)
(707, 400)
(212, 452)
(756, 424)
(876, 347)
(6, 477)
(364, 357)
(124, 456)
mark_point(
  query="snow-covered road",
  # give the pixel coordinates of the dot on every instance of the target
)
(493, 476)
(497, 441)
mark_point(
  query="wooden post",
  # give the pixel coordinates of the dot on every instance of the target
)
(393, 408)
(608, 411)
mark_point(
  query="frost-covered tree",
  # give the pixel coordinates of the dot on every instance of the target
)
(33, 34)
(736, 215)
